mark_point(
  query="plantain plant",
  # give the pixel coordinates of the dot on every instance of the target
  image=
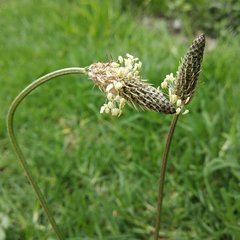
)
(121, 82)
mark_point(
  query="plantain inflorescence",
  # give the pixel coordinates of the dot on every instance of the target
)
(182, 87)
(121, 82)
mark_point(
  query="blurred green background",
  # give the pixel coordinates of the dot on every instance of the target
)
(100, 174)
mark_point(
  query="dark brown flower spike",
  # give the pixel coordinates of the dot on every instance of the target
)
(189, 69)
(182, 87)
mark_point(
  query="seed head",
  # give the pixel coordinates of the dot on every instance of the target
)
(189, 69)
(121, 82)
(182, 87)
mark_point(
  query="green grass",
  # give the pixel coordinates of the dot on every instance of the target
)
(100, 174)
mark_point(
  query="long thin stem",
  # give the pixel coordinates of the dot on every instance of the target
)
(162, 174)
(11, 133)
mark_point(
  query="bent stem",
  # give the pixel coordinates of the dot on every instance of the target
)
(13, 140)
(162, 174)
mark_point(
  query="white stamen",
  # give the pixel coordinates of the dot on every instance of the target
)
(109, 96)
(164, 85)
(109, 74)
(129, 56)
(139, 64)
(110, 105)
(109, 87)
(114, 64)
(178, 110)
(118, 85)
(129, 75)
(179, 102)
(117, 98)
(102, 109)
(128, 63)
(174, 98)
(185, 112)
(107, 110)
(115, 111)
(122, 71)
(120, 59)
(135, 67)
(122, 103)
(169, 78)
(187, 100)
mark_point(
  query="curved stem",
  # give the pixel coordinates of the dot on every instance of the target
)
(15, 145)
(162, 174)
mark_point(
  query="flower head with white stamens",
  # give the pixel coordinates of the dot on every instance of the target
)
(121, 82)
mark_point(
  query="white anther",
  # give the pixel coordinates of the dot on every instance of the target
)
(139, 64)
(136, 73)
(114, 64)
(115, 111)
(179, 102)
(187, 100)
(120, 59)
(164, 85)
(110, 105)
(129, 56)
(118, 85)
(109, 96)
(185, 112)
(102, 109)
(135, 67)
(122, 71)
(169, 78)
(109, 87)
(128, 63)
(122, 103)
(117, 98)
(178, 110)
(107, 110)
(174, 98)
(129, 75)
(108, 74)
(118, 71)
(120, 112)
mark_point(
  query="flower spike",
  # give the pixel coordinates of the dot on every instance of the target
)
(121, 83)
(182, 87)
